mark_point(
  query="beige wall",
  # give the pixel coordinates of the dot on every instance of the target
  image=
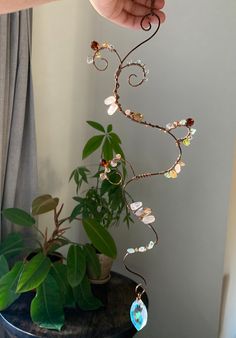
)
(193, 72)
(228, 313)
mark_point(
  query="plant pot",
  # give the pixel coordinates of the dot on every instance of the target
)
(106, 264)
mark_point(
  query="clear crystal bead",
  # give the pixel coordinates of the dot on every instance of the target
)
(148, 219)
(130, 250)
(112, 109)
(142, 249)
(182, 122)
(109, 100)
(89, 60)
(136, 205)
(193, 131)
(150, 245)
(138, 314)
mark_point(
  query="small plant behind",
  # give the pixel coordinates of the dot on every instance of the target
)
(58, 282)
(103, 203)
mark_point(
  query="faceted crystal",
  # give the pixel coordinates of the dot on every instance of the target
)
(112, 109)
(138, 314)
(167, 174)
(136, 205)
(109, 100)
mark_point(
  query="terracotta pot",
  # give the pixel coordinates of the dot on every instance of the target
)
(106, 264)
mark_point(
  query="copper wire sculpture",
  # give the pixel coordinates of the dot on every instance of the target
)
(138, 310)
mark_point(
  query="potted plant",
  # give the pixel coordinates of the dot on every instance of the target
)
(102, 203)
(56, 281)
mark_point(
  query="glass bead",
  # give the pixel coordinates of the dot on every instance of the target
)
(150, 245)
(148, 219)
(136, 205)
(182, 123)
(173, 174)
(94, 45)
(118, 157)
(142, 249)
(113, 163)
(186, 142)
(189, 122)
(127, 112)
(103, 176)
(109, 100)
(178, 168)
(112, 109)
(170, 126)
(89, 60)
(130, 250)
(167, 175)
(138, 314)
(193, 131)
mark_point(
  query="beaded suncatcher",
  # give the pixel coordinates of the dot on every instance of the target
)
(138, 310)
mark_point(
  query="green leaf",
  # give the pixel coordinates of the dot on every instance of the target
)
(76, 211)
(76, 265)
(92, 145)
(12, 245)
(84, 297)
(46, 308)
(18, 216)
(100, 237)
(96, 125)
(116, 147)
(92, 260)
(8, 286)
(115, 138)
(59, 272)
(34, 273)
(44, 204)
(4, 268)
(107, 150)
(109, 128)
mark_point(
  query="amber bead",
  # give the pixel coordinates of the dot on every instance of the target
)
(104, 163)
(94, 45)
(189, 122)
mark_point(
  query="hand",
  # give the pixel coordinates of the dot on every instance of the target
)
(128, 13)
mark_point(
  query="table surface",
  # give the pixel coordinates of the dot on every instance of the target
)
(111, 321)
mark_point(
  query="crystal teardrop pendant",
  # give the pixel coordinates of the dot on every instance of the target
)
(138, 314)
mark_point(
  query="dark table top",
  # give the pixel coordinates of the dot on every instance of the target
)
(111, 321)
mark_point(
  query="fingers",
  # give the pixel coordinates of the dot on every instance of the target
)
(157, 4)
(131, 21)
(138, 9)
